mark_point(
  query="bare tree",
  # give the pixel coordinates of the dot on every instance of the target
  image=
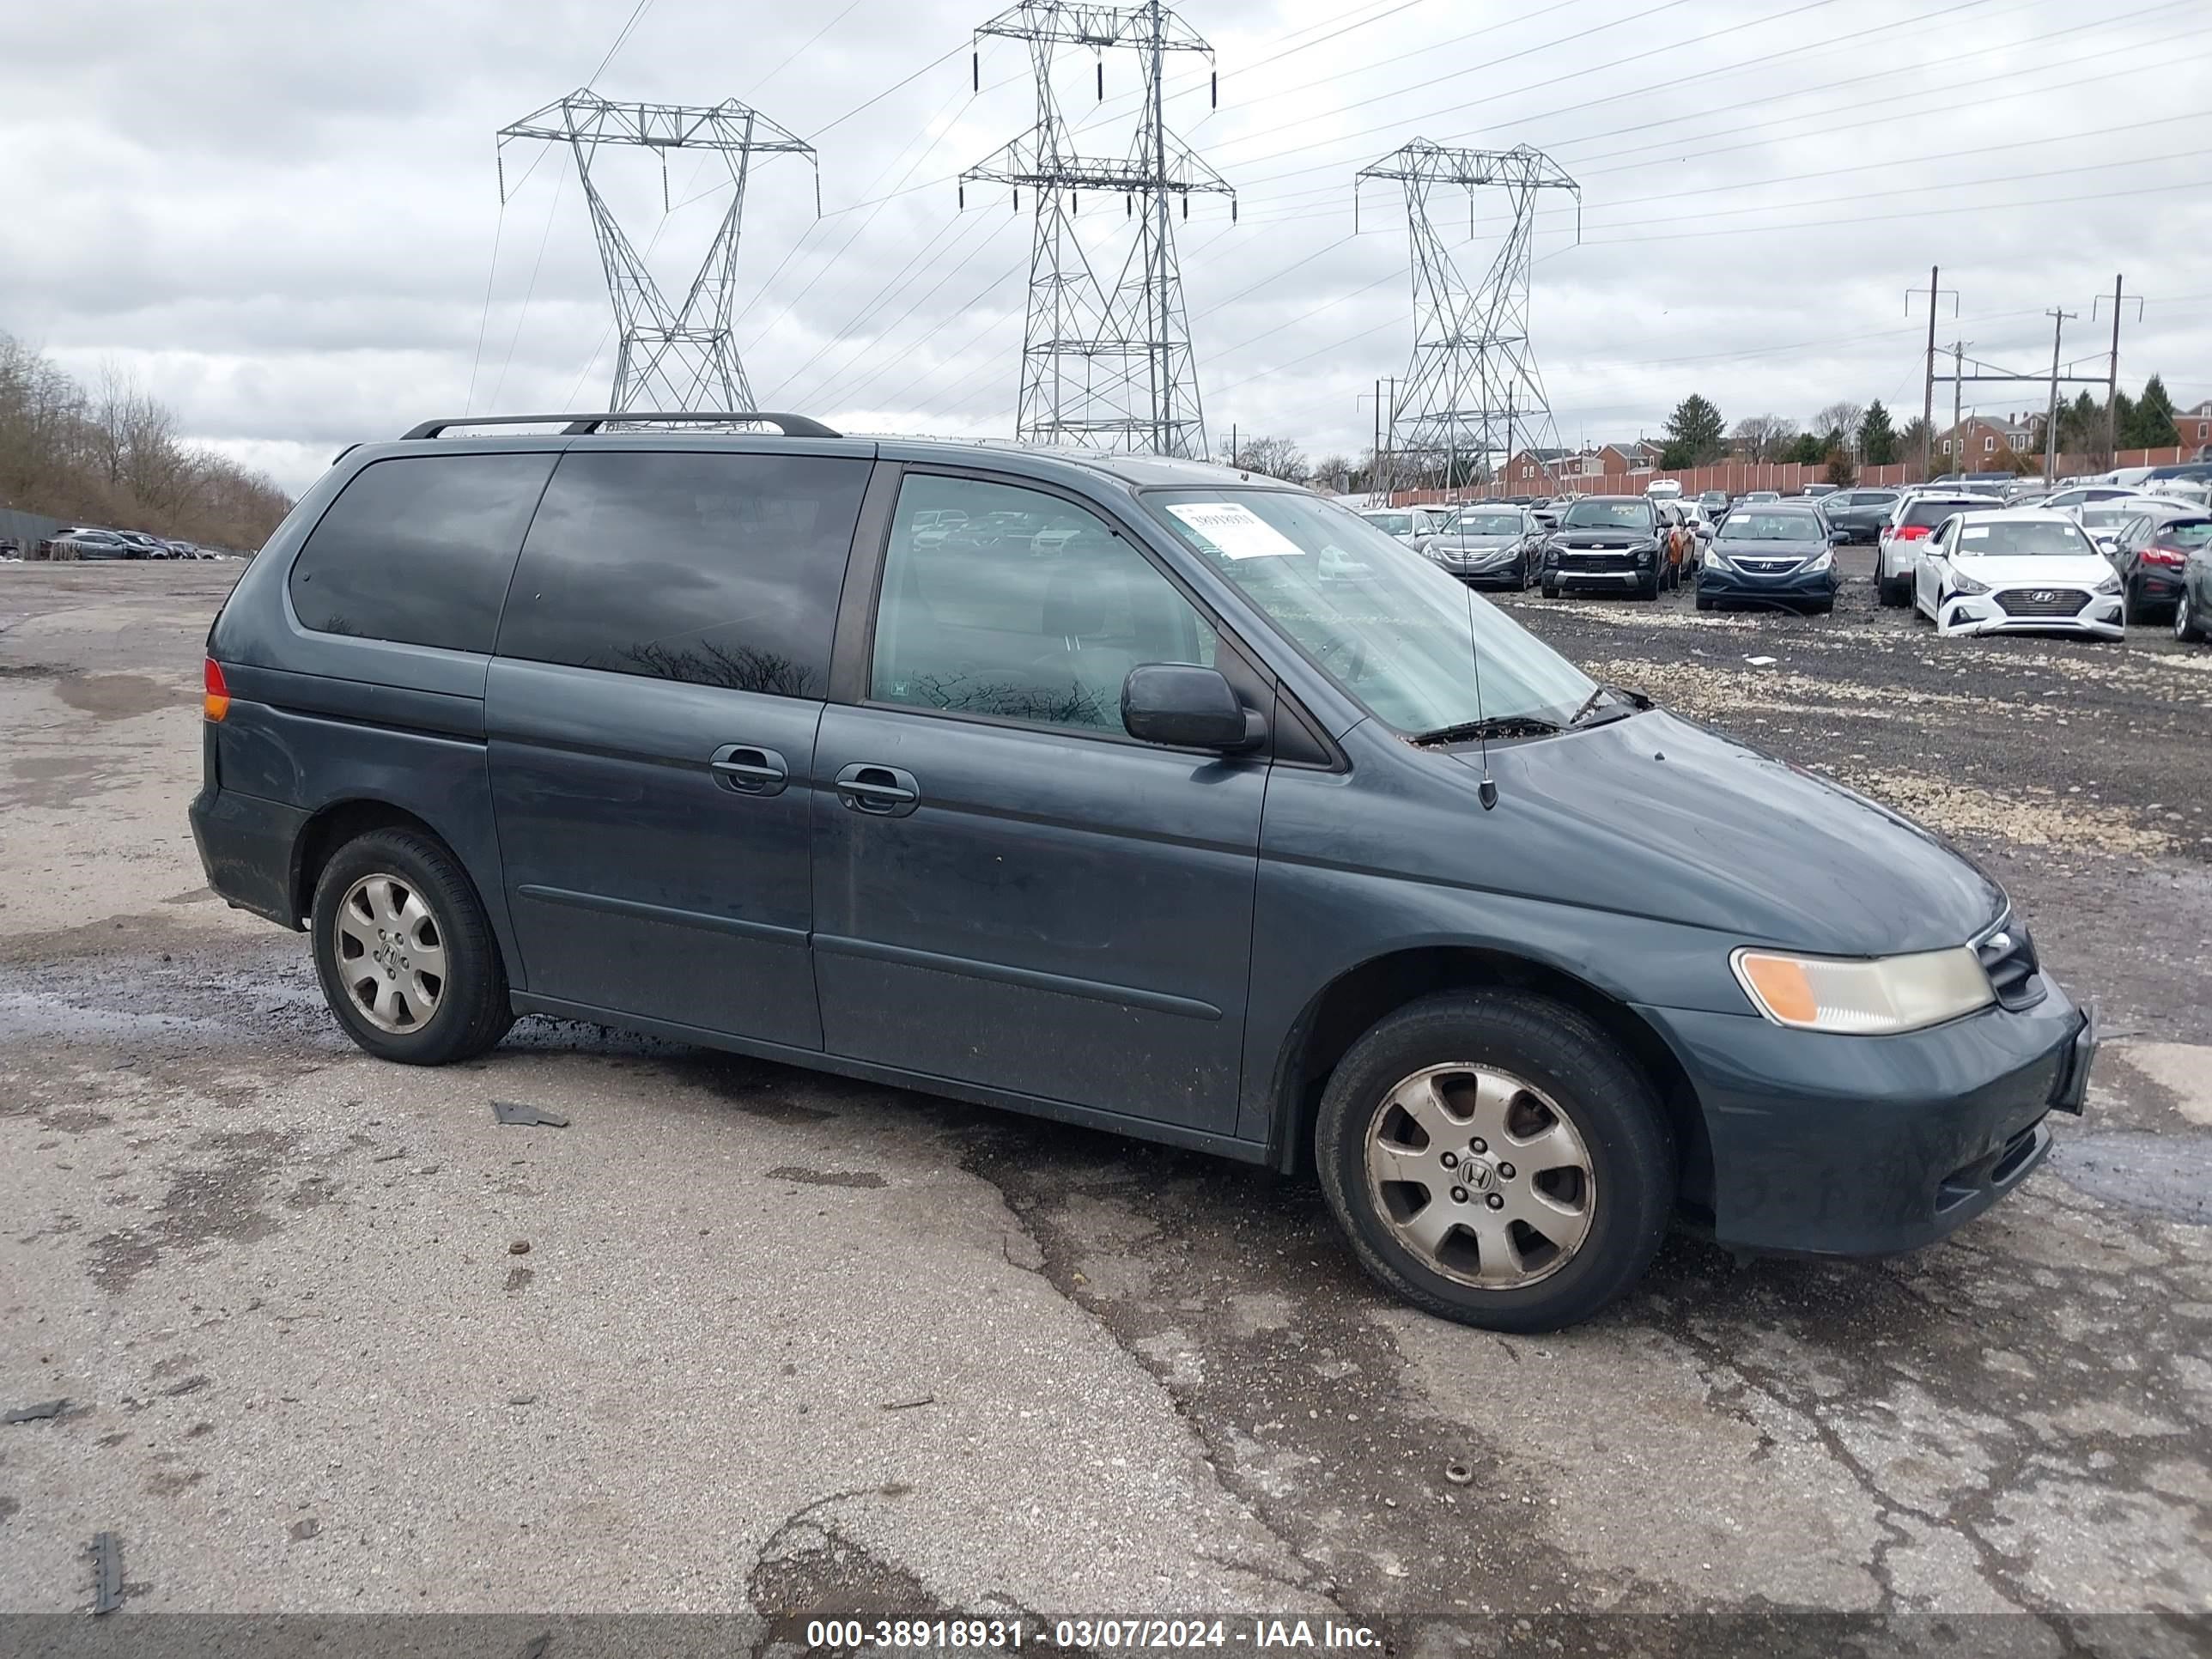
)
(1275, 457)
(1839, 423)
(1333, 473)
(1762, 437)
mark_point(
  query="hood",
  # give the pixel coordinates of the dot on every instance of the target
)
(1476, 544)
(1810, 548)
(1718, 834)
(2034, 570)
(1595, 536)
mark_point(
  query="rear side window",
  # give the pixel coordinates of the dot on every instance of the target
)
(714, 568)
(419, 550)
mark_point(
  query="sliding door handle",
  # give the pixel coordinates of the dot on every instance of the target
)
(882, 792)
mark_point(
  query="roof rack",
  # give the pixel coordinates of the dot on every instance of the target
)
(578, 425)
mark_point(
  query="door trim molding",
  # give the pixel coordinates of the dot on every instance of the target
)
(643, 912)
(1158, 1002)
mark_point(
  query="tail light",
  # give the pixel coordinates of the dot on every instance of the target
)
(1909, 533)
(2164, 555)
(214, 700)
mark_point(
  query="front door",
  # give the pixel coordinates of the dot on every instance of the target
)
(1008, 891)
(652, 713)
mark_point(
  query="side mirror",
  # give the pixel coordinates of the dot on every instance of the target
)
(1187, 707)
(1705, 532)
(1837, 537)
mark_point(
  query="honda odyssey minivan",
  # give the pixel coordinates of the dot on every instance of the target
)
(1071, 784)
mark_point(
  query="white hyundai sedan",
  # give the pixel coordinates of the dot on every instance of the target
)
(2017, 570)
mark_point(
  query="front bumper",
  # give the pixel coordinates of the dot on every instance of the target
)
(2103, 616)
(1794, 587)
(1491, 565)
(1613, 572)
(1848, 1146)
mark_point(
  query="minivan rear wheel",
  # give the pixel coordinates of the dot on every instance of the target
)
(405, 954)
(1495, 1158)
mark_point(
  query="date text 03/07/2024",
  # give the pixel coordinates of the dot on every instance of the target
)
(1126, 1635)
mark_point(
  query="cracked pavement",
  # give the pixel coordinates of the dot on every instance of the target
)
(747, 1340)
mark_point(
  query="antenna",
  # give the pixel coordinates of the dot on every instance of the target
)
(1489, 790)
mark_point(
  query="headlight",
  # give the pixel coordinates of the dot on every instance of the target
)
(1714, 561)
(1966, 584)
(2111, 584)
(1860, 997)
(1823, 562)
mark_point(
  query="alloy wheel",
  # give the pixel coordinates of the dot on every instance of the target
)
(391, 953)
(1481, 1175)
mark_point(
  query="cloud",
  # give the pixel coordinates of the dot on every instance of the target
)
(284, 218)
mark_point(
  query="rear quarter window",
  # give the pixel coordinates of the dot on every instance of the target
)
(714, 568)
(419, 549)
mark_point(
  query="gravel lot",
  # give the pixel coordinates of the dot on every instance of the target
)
(747, 1340)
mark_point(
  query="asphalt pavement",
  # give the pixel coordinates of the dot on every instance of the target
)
(747, 1339)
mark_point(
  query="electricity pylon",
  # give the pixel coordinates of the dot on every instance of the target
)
(1472, 394)
(674, 358)
(1106, 366)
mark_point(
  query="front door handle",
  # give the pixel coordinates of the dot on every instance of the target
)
(747, 770)
(882, 792)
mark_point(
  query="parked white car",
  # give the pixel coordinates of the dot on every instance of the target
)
(1904, 536)
(2104, 519)
(1410, 525)
(2017, 570)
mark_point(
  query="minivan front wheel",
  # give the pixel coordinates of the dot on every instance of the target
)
(1495, 1158)
(405, 954)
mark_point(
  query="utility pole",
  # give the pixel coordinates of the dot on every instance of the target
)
(2113, 386)
(1928, 388)
(2059, 318)
(1928, 398)
(2112, 374)
(1958, 413)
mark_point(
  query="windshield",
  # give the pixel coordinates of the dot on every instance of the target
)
(1928, 514)
(2013, 539)
(1391, 524)
(1770, 527)
(1396, 635)
(1763, 495)
(2104, 518)
(1608, 515)
(1488, 524)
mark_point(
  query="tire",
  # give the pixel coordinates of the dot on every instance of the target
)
(1820, 608)
(411, 883)
(1544, 1067)
(2186, 627)
(1705, 601)
(1648, 591)
(1551, 590)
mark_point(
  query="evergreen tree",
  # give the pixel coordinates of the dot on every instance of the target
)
(1695, 435)
(1877, 438)
(1810, 449)
(2151, 426)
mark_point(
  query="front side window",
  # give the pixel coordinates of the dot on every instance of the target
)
(716, 569)
(1028, 608)
(418, 550)
(1396, 632)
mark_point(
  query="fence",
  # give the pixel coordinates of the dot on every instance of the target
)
(28, 530)
(1735, 477)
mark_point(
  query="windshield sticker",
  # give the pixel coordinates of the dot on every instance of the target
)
(1973, 532)
(1235, 531)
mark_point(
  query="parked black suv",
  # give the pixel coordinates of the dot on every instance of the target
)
(1180, 803)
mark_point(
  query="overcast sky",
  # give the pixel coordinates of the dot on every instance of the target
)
(285, 219)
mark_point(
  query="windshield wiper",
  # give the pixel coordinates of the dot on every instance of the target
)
(1496, 726)
(1590, 715)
